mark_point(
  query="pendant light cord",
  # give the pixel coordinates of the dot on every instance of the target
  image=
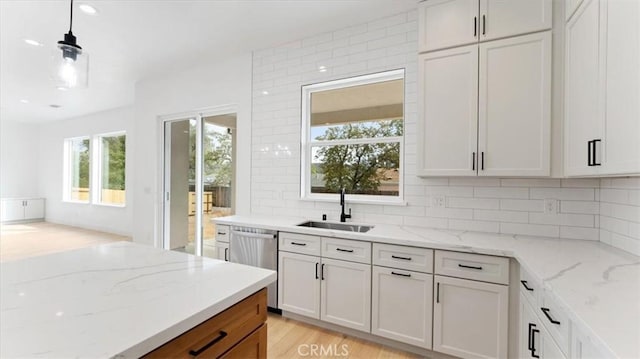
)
(71, 17)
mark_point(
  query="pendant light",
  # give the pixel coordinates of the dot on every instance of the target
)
(71, 63)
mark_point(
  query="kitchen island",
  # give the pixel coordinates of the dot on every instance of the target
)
(114, 300)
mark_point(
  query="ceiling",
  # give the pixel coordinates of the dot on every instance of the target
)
(131, 40)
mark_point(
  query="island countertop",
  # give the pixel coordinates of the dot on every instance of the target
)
(113, 300)
(599, 285)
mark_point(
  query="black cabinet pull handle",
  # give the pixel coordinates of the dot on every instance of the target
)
(298, 244)
(226, 254)
(401, 274)
(482, 160)
(221, 336)
(484, 25)
(403, 258)
(470, 267)
(317, 270)
(473, 161)
(595, 157)
(344, 250)
(222, 233)
(546, 313)
(524, 284)
(322, 272)
(533, 343)
(438, 292)
(529, 346)
(475, 26)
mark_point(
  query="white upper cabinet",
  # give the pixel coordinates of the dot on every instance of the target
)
(449, 23)
(515, 106)
(503, 18)
(602, 89)
(487, 117)
(448, 112)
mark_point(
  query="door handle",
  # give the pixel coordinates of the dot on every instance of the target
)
(403, 258)
(469, 267)
(344, 250)
(220, 336)
(595, 156)
(298, 244)
(529, 346)
(438, 292)
(484, 25)
(322, 272)
(589, 162)
(401, 274)
(475, 26)
(546, 314)
(226, 254)
(524, 284)
(482, 160)
(533, 343)
(317, 270)
(473, 161)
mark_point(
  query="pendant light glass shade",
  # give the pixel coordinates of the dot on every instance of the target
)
(70, 62)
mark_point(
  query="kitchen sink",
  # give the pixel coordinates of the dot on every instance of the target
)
(336, 226)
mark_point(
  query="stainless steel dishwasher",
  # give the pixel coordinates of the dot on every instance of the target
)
(258, 248)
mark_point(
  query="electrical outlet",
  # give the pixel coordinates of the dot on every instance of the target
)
(438, 201)
(550, 206)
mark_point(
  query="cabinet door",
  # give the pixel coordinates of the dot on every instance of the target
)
(570, 7)
(401, 306)
(299, 284)
(34, 209)
(12, 210)
(447, 23)
(503, 18)
(221, 251)
(470, 318)
(448, 112)
(346, 294)
(582, 103)
(514, 105)
(620, 20)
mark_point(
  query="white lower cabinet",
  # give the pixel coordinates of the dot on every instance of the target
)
(345, 294)
(535, 340)
(402, 306)
(21, 209)
(299, 284)
(470, 318)
(222, 251)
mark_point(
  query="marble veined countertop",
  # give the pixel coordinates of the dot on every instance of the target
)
(113, 300)
(598, 284)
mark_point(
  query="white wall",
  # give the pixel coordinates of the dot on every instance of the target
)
(224, 83)
(512, 206)
(19, 159)
(51, 159)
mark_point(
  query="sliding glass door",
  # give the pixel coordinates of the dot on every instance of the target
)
(199, 178)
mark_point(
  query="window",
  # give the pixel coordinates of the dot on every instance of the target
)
(94, 170)
(352, 137)
(112, 154)
(77, 169)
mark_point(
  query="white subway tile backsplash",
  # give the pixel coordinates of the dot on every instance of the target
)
(588, 208)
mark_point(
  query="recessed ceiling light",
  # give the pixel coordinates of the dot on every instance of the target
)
(24, 101)
(62, 88)
(54, 106)
(32, 42)
(322, 68)
(88, 9)
(265, 92)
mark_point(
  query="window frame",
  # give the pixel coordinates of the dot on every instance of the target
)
(67, 169)
(307, 143)
(96, 169)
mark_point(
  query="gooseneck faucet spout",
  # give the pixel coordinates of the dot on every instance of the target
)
(343, 216)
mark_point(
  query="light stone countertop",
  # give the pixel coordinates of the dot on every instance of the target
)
(119, 299)
(598, 284)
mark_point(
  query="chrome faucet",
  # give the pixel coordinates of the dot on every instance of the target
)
(343, 216)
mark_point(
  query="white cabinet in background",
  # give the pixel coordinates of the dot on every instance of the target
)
(602, 89)
(535, 341)
(299, 284)
(22, 209)
(402, 306)
(345, 294)
(470, 318)
(486, 117)
(450, 23)
(221, 251)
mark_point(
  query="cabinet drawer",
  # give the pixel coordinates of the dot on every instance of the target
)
(224, 330)
(409, 258)
(472, 266)
(299, 243)
(530, 287)
(222, 233)
(555, 318)
(252, 347)
(354, 251)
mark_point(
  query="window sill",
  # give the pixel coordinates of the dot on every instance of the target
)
(111, 205)
(381, 202)
(75, 202)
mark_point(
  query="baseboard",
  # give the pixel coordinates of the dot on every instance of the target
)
(425, 353)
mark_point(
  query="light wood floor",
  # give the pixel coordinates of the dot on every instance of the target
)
(34, 239)
(287, 338)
